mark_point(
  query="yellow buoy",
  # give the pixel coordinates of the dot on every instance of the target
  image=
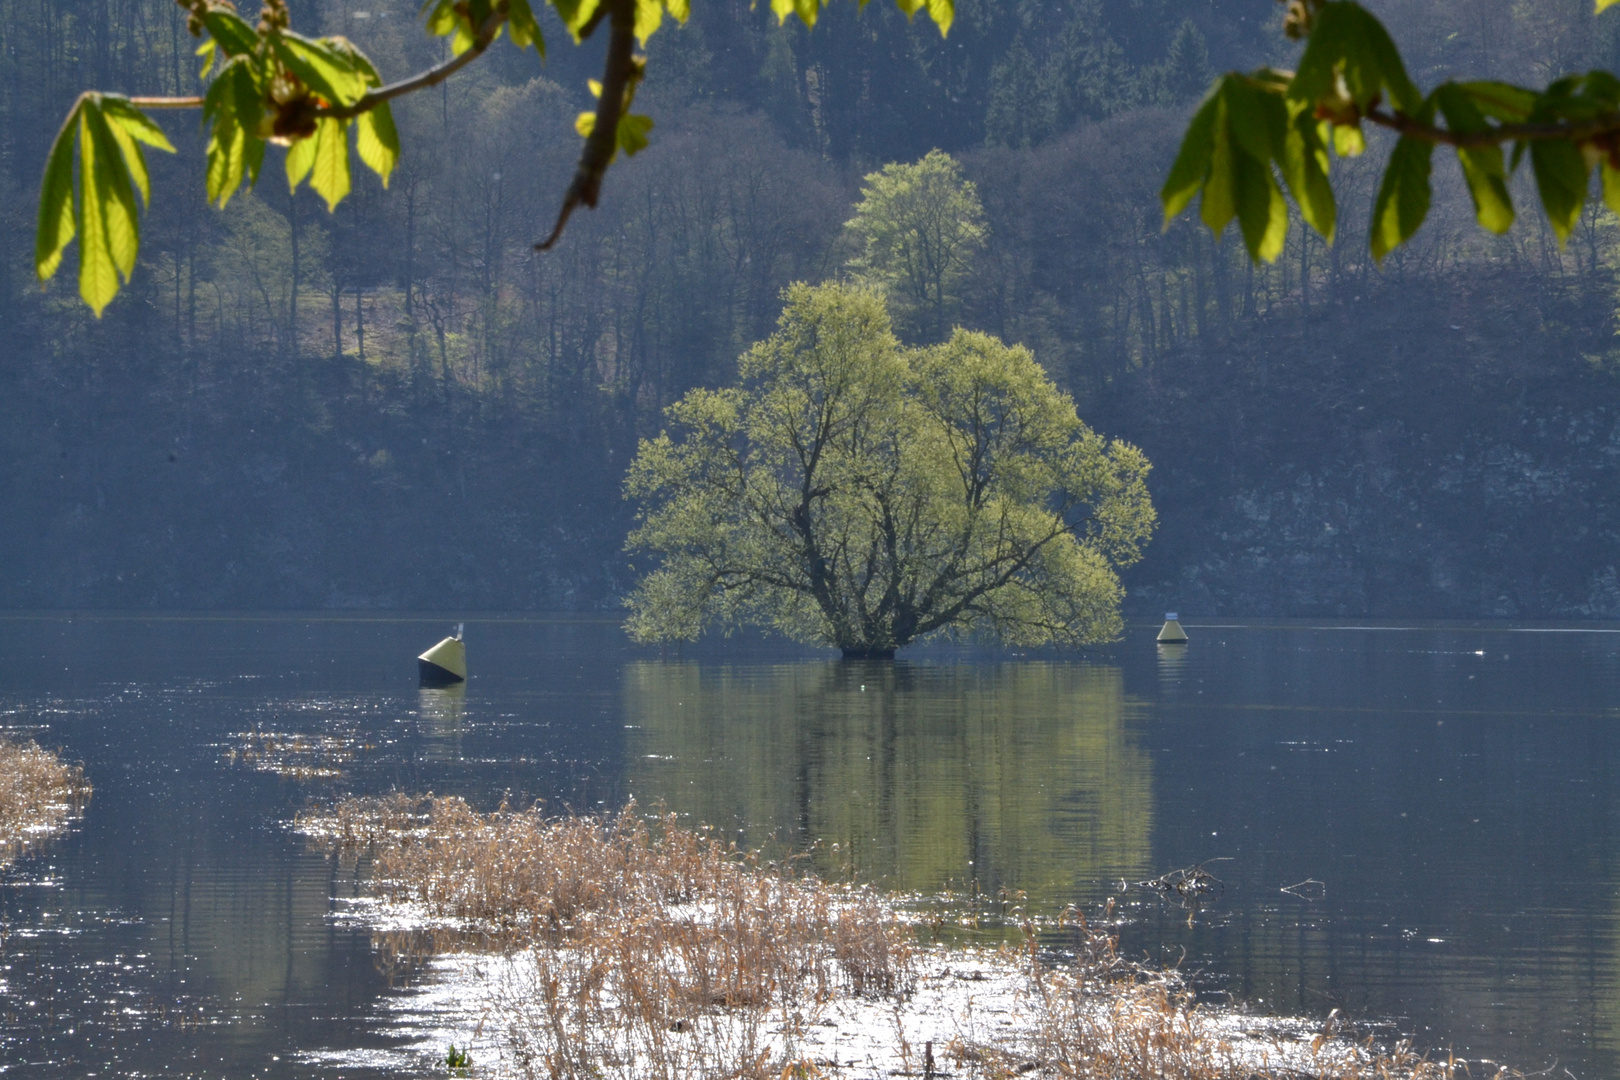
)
(445, 663)
(1172, 634)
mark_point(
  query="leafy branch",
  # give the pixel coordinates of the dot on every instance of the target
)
(1254, 128)
(268, 84)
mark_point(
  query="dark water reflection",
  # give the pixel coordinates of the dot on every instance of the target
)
(1453, 789)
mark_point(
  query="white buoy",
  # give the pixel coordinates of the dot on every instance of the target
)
(1172, 634)
(446, 662)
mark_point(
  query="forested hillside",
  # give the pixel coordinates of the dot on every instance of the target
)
(402, 405)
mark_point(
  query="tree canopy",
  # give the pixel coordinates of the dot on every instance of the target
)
(1255, 127)
(858, 494)
(918, 227)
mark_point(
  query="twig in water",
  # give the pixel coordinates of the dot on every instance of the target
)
(1309, 889)
(1192, 886)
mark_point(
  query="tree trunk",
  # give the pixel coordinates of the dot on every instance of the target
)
(337, 319)
(292, 301)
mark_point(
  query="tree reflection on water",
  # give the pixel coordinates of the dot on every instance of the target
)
(918, 778)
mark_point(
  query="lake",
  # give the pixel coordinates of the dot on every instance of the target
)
(1419, 826)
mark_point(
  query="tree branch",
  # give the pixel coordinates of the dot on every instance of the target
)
(372, 98)
(431, 77)
(1584, 131)
(604, 140)
(167, 102)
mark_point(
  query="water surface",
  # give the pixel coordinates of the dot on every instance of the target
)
(1450, 791)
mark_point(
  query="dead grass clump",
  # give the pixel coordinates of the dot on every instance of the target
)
(639, 951)
(38, 796)
(1099, 1017)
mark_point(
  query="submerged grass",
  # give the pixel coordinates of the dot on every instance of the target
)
(640, 950)
(39, 794)
(293, 756)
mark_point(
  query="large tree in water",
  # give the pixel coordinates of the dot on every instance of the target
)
(853, 493)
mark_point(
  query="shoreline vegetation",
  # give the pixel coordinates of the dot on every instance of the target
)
(623, 947)
(39, 796)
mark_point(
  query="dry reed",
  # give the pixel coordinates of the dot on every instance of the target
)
(662, 952)
(38, 796)
(641, 951)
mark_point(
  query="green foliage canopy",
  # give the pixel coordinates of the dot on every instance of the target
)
(918, 227)
(853, 493)
(269, 84)
(1254, 128)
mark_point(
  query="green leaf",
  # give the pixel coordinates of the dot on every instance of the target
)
(1305, 169)
(134, 160)
(358, 60)
(109, 182)
(109, 233)
(111, 168)
(1243, 134)
(649, 14)
(806, 10)
(632, 133)
(525, 28)
(140, 126)
(300, 159)
(233, 34)
(1191, 169)
(1262, 212)
(253, 157)
(1219, 204)
(943, 12)
(442, 18)
(233, 108)
(461, 18)
(1247, 132)
(1403, 197)
(1611, 187)
(327, 71)
(330, 175)
(378, 141)
(130, 127)
(1604, 87)
(56, 217)
(1561, 178)
(226, 156)
(1482, 166)
(98, 276)
(575, 14)
(1501, 101)
(1487, 182)
(1258, 119)
(1351, 60)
